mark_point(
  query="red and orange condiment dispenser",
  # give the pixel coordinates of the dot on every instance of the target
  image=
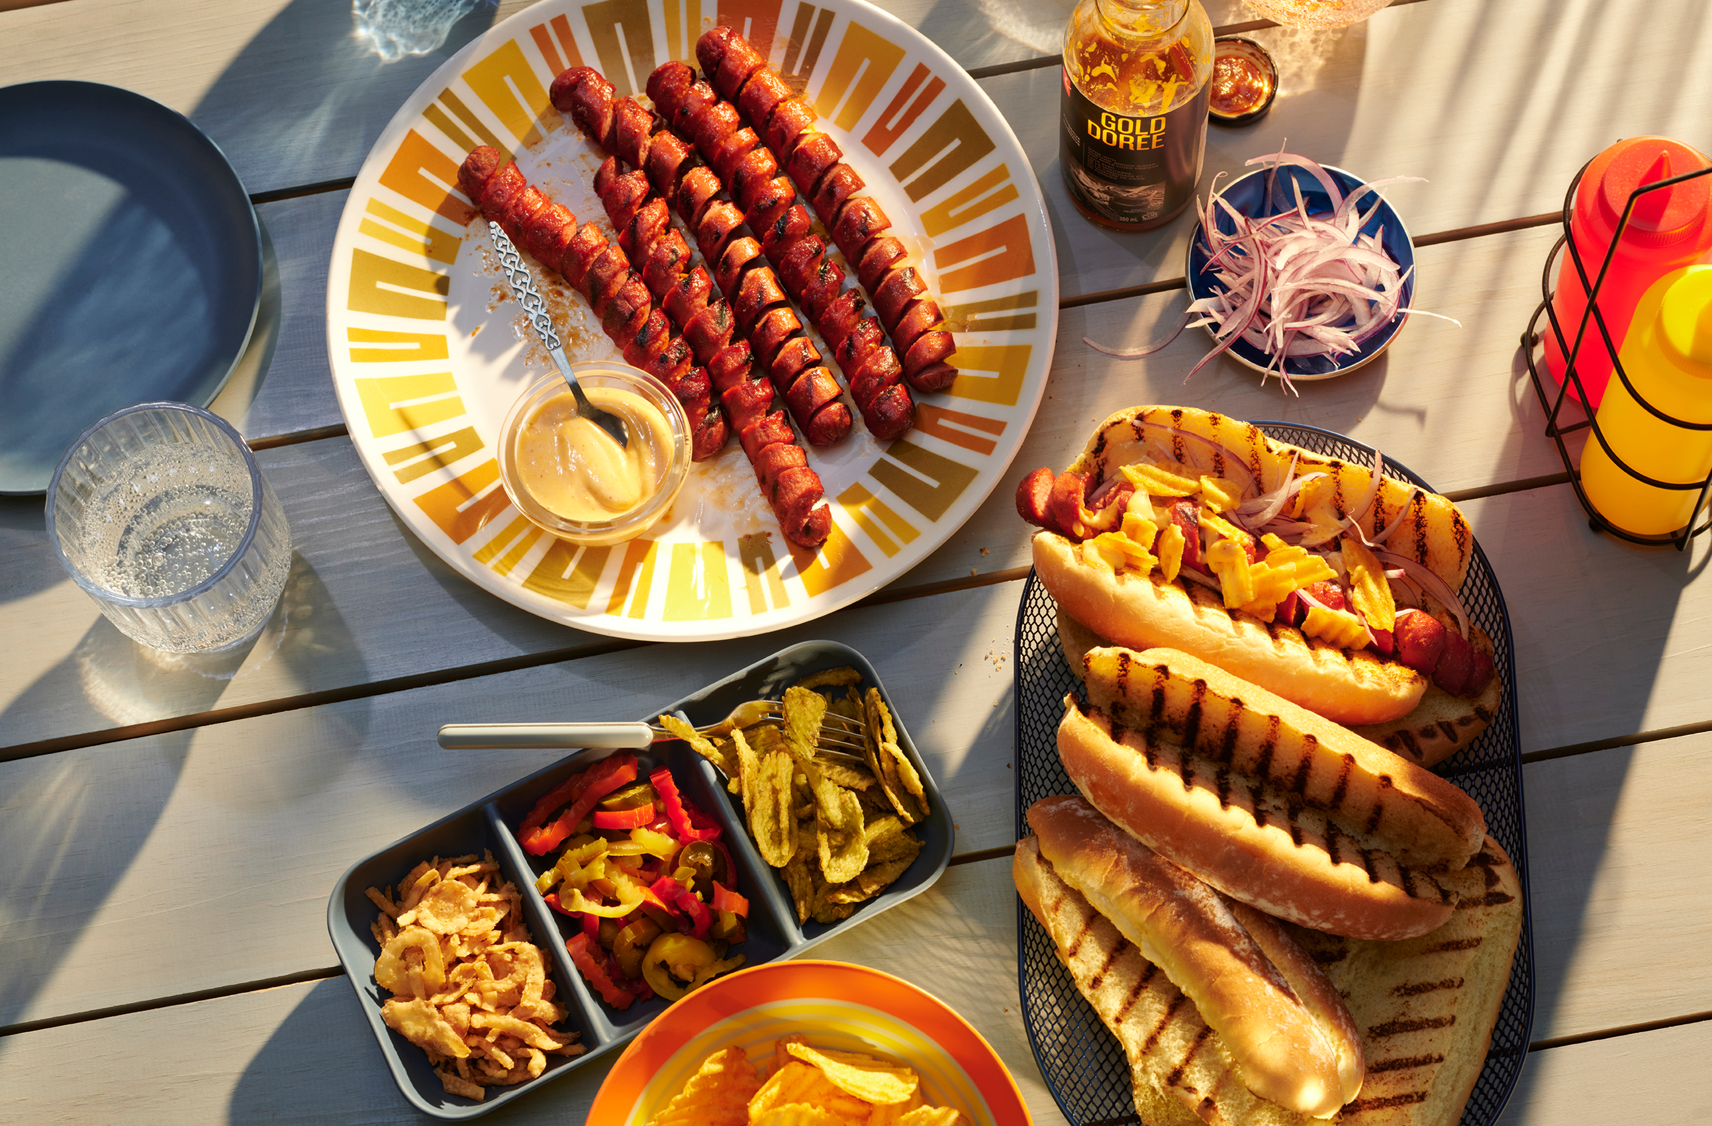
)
(1666, 228)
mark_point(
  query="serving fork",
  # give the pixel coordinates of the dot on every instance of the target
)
(841, 737)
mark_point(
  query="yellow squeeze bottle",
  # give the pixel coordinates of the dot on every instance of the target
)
(1667, 355)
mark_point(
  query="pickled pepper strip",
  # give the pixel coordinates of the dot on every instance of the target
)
(635, 818)
(725, 899)
(602, 779)
(595, 973)
(673, 804)
(700, 917)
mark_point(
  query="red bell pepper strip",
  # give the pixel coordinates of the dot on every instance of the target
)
(724, 899)
(674, 806)
(592, 969)
(700, 918)
(591, 926)
(602, 779)
(563, 794)
(552, 899)
(624, 818)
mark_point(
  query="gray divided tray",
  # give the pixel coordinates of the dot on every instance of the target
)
(490, 825)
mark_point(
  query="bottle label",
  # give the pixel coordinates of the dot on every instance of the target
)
(1132, 169)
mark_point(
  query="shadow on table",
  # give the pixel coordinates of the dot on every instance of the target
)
(321, 1064)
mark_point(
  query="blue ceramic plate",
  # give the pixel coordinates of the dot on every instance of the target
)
(1248, 195)
(133, 266)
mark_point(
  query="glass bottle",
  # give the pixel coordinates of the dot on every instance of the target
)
(1134, 110)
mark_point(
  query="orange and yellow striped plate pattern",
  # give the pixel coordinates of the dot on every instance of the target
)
(428, 351)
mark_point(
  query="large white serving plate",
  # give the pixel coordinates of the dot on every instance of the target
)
(428, 351)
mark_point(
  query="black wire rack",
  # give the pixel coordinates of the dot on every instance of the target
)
(1083, 1064)
(1552, 401)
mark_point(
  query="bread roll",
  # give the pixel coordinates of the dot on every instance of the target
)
(1180, 1070)
(1425, 1007)
(1271, 804)
(1284, 1025)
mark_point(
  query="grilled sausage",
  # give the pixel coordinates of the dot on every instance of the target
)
(738, 73)
(778, 218)
(665, 167)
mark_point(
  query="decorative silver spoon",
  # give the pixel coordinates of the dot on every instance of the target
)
(535, 308)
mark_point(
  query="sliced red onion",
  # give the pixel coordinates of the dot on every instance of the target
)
(1293, 284)
(1261, 509)
(1420, 574)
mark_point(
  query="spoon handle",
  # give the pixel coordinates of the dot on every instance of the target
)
(523, 288)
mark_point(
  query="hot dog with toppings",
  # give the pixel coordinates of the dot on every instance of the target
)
(1317, 579)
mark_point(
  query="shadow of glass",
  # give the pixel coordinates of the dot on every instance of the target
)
(117, 682)
(84, 827)
(320, 125)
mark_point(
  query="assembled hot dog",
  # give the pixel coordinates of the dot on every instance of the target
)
(1274, 805)
(1320, 580)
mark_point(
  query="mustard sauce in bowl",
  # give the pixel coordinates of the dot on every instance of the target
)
(569, 477)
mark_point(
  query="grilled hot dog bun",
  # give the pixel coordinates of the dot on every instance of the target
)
(1271, 804)
(1425, 1008)
(1439, 727)
(1286, 1028)
(1141, 612)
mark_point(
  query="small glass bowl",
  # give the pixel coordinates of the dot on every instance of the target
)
(592, 374)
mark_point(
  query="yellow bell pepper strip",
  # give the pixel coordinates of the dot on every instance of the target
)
(632, 818)
(629, 897)
(601, 779)
(675, 956)
(583, 953)
(1369, 590)
(673, 803)
(576, 866)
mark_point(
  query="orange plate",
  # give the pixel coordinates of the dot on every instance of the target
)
(834, 1005)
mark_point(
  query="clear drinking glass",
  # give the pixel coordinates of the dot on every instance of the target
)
(161, 515)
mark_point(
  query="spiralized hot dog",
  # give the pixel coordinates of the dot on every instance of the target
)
(600, 271)
(637, 209)
(751, 174)
(624, 128)
(814, 163)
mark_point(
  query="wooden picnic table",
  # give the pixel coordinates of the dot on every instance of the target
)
(170, 831)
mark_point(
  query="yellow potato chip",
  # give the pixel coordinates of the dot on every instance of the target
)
(892, 1114)
(931, 1116)
(717, 1094)
(877, 877)
(863, 1076)
(832, 678)
(804, 711)
(790, 1083)
(700, 744)
(770, 817)
(843, 851)
(801, 884)
(797, 1114)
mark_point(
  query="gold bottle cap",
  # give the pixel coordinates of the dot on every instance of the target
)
(1244, 82)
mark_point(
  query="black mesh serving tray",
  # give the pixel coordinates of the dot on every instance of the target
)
(1082, 1063)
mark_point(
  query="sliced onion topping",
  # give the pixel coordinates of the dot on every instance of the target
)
(1431, 583)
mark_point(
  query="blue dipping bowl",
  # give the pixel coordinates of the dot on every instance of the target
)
(1248, 196)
